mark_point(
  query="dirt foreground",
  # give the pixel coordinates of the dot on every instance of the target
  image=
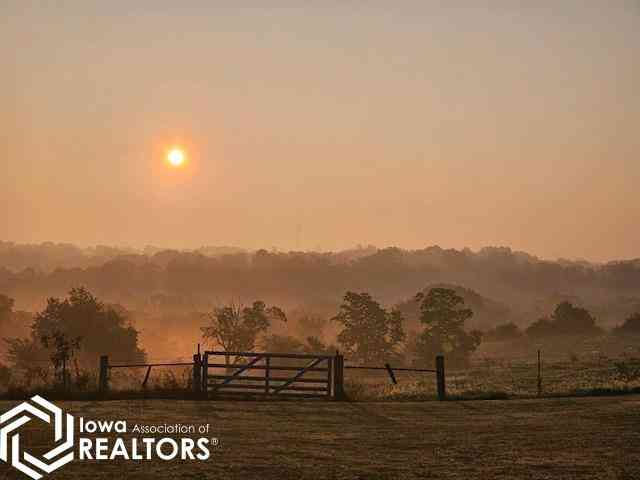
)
(572, 438)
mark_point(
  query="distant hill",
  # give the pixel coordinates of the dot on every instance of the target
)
(501, 283)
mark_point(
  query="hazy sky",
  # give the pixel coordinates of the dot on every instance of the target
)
(323, 124)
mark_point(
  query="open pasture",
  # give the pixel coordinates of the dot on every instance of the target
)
(559, 438)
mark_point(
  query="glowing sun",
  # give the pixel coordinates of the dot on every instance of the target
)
(176, 157)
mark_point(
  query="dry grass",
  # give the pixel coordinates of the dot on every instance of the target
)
(577, 438)
(484, 379)
(493, 379)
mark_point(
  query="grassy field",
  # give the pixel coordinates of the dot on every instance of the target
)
(496, 379)
(560, 438)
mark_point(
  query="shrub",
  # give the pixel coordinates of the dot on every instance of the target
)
(503, 333)
(282, 344)
(631, 326)
(567, 319)
(317, 346)
(540, 328)
(84, 381)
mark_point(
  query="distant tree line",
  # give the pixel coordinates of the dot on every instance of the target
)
(316, 279)
(566, 320)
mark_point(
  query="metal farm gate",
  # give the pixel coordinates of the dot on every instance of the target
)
(273, 374)
(293, 375)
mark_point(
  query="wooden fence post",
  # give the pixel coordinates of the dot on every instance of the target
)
(197, 373)
(205, 375)
(338, 377)
(146, 378)
(329, 377)
(391, 374)
(539, 375)
(103, 380)
(267, 374)
(442, 391)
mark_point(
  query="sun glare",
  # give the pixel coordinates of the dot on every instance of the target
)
(176, 157)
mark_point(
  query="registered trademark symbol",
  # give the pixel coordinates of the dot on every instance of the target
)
(214, 442)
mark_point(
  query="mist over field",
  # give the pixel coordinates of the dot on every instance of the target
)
(166, 292)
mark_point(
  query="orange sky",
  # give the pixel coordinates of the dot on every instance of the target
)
(354, 122)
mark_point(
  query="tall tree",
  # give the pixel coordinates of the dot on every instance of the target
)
(443, 315)
(235, 327)
(102, 329)
(370, 333)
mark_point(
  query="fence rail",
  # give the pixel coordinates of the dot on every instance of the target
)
(139, 365)
(309, 356)
(271, 374)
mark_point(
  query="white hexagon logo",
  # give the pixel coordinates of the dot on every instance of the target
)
(24, 461)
